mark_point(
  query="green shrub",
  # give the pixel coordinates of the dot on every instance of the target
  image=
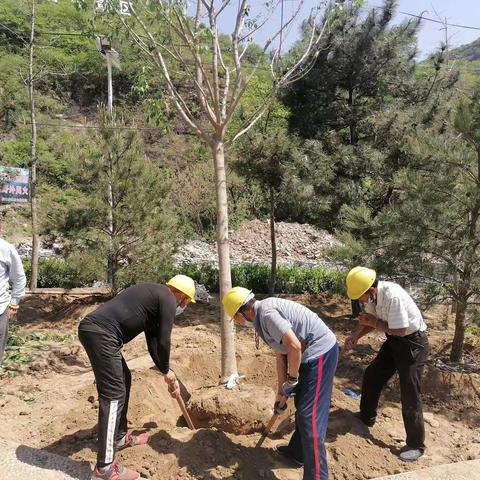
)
(295, 279)
(61, 274)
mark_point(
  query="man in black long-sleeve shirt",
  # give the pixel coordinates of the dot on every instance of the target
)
(149, 308)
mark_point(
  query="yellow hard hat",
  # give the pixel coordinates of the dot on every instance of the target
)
(359, 280)
(185, 284)
(235, 298)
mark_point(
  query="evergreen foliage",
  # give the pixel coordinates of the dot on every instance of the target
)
(369, 144)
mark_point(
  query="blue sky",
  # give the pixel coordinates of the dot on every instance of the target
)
(464, 12)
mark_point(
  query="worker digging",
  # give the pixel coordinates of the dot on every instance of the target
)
(150, 308)
(390, 309)
(306, 359)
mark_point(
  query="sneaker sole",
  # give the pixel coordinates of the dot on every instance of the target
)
(409, 460)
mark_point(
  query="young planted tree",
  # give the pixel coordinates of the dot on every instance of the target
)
(30, 55)
(33, 161)
(284, 168)
(206, 74)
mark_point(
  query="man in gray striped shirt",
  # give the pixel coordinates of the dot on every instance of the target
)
(390, 309)
(11, 271)
(307, 356)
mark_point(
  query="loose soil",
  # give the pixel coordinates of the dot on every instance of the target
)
(51, 403)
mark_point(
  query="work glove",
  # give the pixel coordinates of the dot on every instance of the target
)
(288, 388)
(280, 404)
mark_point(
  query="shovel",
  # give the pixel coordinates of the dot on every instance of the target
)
(271, 423)
(181, 403)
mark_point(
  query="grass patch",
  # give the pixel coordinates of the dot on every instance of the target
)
(20, 348)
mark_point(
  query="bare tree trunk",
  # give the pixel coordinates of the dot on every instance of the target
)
(273, 241)
(229, 361)
(33, 161)
(445, 316)
(456, 354)
(455, 286)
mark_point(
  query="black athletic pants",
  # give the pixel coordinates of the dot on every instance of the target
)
(113, 380)
(407, 355)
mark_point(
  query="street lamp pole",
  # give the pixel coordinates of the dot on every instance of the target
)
(111, 56)
(110, 85)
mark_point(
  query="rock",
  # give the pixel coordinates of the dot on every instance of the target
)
(54, 250)
(243, 410)
(296, 243)
(388, 412)
(91, 399)
(430, 419)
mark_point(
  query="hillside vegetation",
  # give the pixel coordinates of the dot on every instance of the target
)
(367, 145)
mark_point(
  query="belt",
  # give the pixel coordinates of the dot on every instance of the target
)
(411, 339)
(414, 335)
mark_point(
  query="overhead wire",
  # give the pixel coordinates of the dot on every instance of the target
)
(428, 19)
(91, 127)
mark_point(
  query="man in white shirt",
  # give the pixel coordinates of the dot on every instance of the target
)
(390, 309)
(11, 271)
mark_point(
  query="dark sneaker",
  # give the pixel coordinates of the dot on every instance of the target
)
(369, 423)
(410, 454)
(114, 472)
(133, 440)
(285, 452)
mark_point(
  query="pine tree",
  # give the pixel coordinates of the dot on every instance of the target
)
(143, 233)
(431, 231)
(358, 101)
(278, 163)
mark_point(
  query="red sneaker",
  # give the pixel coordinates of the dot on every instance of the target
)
(133, 440)
(115, 472)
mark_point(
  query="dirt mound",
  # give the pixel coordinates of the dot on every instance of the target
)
(247, 409)
(296, 243)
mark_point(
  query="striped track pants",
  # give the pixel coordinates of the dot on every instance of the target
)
(113, 379)
(312, 403)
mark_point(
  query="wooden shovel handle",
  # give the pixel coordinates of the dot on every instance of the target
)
(270, 424)
(181, 403)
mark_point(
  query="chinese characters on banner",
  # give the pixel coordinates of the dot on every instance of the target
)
(14, 185)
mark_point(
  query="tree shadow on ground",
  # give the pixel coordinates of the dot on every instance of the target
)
(46, 461)
(74, 442)
(212, 454)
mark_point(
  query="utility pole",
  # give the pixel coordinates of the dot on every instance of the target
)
(110, 262)
(111, 56)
